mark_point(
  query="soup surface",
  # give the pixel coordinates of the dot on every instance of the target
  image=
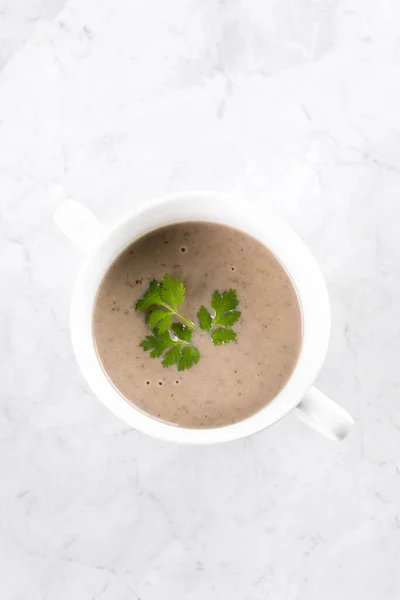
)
(231, 381)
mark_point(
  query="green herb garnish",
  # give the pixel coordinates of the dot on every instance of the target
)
(161, 300)
(172, 340)
(178, 351)
(221, 336)
(224, 305)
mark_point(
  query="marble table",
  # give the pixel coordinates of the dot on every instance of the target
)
(295, 105)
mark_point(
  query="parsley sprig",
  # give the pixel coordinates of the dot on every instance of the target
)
(177, 351)
(225, 316)
(161, 300)
(172, 340)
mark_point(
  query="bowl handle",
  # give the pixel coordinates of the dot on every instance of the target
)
(79, 225)
(323, 414)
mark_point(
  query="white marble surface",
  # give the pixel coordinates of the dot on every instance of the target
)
(295, 104)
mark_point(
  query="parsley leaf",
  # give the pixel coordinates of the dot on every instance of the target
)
(150, 297)
(174, 352)
(221, 336)
(156, 344)
(172, 291)
(205, 319)
(182, 332)
(172, 357)
(189, 356)
(160, 319)
(224, 305)
(162, 299)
